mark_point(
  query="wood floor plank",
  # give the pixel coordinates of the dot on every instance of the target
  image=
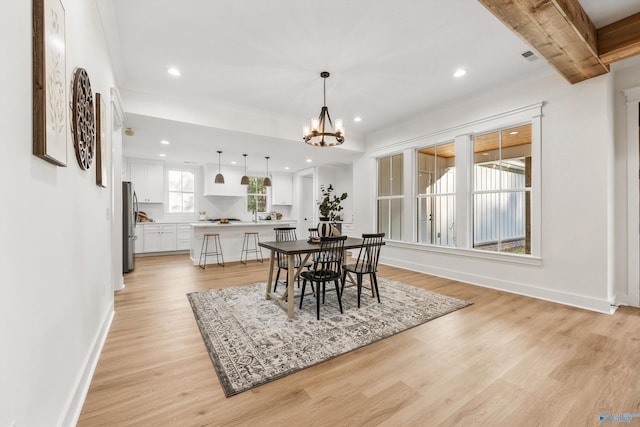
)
(505, 360)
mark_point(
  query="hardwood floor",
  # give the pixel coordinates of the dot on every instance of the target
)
(506, 360)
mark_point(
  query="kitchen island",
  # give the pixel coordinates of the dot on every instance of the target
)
(232, 236)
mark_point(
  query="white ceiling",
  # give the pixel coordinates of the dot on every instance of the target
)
(388, 61)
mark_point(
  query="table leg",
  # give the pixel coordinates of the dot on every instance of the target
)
(291, 284)
(270, 279)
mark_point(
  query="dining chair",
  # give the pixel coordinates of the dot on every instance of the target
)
(327, 267)
(286, 234)
(367, 263)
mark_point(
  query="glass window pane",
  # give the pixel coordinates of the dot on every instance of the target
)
(513, 223)
(175, 202)
(486, 161)
(516, 157)
(383, 217)
(486, 226)
(443, 222)
(261, 203)
(395, 226)
(445, 168)
(426, 171)
(425, 215)
(384, 176)
(188, 202)
(188, 182)
(175, 181)
(396, 175)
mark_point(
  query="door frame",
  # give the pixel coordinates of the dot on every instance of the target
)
(633, 195)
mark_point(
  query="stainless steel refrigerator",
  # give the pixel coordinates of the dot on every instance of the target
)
(129, 220)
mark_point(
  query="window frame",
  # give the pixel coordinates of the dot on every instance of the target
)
(391, 197)
(266, 196)
(463, 134)
(436, 195)
(167, 191)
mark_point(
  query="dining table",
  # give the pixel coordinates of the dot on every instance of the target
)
(290, 249)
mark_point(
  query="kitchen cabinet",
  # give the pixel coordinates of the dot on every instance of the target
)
(148, 181)
(281, 188)
(159, 237)
(139, 239)
(231, 186)
(183, 239)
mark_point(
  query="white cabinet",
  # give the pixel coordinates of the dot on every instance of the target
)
(230, 188)
(139, 239)
(183, 239)
(347, 229)
(148, 181)
(281, 189)
(159, 237)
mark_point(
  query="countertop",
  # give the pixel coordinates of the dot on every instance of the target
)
(266, 222)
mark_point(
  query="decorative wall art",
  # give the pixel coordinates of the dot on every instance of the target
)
(101, 143)
(83, 125)
(49, 82)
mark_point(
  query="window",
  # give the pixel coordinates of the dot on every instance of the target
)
(436, 198)
(502, 190)
(181, 191)
(256, 195)
(390, 196)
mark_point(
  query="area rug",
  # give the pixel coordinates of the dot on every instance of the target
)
(251, 341)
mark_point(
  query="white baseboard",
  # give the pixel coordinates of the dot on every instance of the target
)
(70, 416)
(579, 301)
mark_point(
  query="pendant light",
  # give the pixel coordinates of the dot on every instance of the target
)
(267, 180)
(219, 178)
(245, 178)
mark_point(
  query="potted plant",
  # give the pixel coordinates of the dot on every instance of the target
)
(329, 207)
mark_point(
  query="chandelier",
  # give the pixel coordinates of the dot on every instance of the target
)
(316, 133)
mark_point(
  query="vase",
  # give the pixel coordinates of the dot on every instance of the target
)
(325, 228)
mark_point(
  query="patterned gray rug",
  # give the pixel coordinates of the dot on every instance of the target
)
(251, 341)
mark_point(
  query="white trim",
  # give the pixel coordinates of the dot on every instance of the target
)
(633, 201)
(467, 252)
(505, 118)
(580, 301)
(75, 401)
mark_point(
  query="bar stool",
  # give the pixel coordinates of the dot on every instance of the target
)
(204, 251)
(246, 249)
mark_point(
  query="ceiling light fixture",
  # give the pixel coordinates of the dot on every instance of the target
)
(357, 119)
(174, 72)
(459, 72)
(315, 134)
(164, 142)
(267, 180)
(219, 178)
(245, 178)
(162, 155)
(309, 160)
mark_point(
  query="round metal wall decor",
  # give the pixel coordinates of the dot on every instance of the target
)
(84, 123)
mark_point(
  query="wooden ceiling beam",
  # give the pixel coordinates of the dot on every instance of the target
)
(559, 30)
(619, 40)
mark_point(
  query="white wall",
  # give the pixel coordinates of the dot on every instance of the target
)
(577, 223)
(55, 257)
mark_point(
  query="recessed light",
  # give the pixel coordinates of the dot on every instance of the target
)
(513, 133)
(357, 119)
(174, 72)
(459, 72)
(164, 142)
(234, 162)
(286, 168)
(308, 160)
(162, 155)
